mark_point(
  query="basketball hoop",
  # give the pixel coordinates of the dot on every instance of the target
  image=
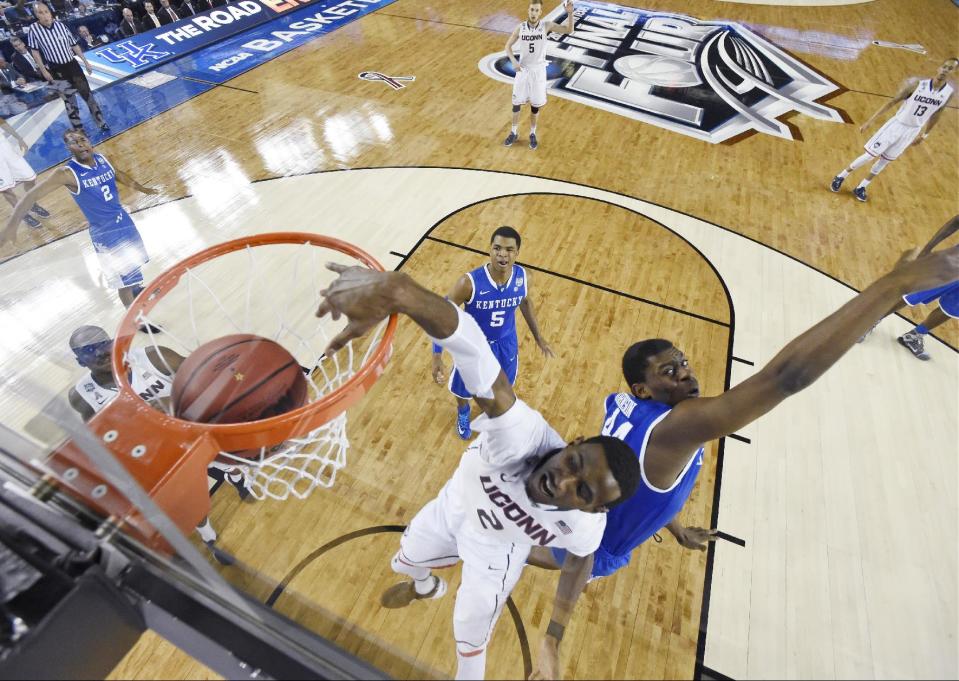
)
(268, 285)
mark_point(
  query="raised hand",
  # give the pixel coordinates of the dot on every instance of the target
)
(365, 296)
(926, 271)
(695, 538)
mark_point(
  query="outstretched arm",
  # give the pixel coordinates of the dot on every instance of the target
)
(460, 293)
(572, 580)
(566, 28)
(526, 307)
(125, 179)
(695, 421)
(61, 177)
(366, 297)
(946, 231)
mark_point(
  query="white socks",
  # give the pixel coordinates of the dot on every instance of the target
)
(206, 531)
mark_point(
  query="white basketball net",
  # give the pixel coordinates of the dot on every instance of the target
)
(270, 290)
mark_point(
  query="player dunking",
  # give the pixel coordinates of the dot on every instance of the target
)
(667, 428)
(92, 180)
(518, 485)
(922, 103)
(491, 295)
(529, 84)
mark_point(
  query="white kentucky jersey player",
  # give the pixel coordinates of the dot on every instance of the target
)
(147, 381)
(529, 85)
(895, 136)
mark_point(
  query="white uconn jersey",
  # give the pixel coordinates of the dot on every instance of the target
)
(488, 490)
(146, 380)
(532, 44)
(923, 103)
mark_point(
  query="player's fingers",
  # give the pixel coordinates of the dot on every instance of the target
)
(324, 309)
(341, 339)
(336, 267)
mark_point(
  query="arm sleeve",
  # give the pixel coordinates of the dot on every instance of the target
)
(472, 355)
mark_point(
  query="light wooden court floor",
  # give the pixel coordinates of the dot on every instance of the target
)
(307, 112)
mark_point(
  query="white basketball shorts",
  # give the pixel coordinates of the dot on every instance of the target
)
(490, 570)
(891, 139)
(13, 169)
(529, 86)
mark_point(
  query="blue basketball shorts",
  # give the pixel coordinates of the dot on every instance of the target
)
(120, 251)
(947, 295)
(506, 352)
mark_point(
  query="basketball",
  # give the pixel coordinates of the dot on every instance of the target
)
(237, 378)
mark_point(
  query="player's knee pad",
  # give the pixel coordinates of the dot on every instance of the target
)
(516, 108)
(878, 166)
(534, 109)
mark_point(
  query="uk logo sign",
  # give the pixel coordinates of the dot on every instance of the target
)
(710, 80)
(128, 52)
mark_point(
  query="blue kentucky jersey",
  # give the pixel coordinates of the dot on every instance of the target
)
(493, 306)
(637, 519)
(97, 195)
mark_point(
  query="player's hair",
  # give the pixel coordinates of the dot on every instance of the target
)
(623, 464)
(536, 2)
(507, 232)
(82, 335)
(636, 358)
(71, 131)
(955, 59)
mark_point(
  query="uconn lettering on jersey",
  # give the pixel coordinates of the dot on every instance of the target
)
(513, 301)
(513, 512)
(927, 100)
(89, 182)
(535, 36)
(152, 390)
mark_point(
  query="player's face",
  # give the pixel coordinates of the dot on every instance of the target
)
(95, 356)
(946, 69)
(79, 146)
(669, 378)
(574, 478)
(502, 254)
(534, 12)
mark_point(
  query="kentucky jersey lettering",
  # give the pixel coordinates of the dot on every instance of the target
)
(638, 518)
(97, 194)
(494, 306)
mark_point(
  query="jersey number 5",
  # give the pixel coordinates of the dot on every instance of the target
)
(107, 196)
(498, 318)
(531, 48)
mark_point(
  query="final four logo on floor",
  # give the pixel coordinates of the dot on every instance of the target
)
(711, 80)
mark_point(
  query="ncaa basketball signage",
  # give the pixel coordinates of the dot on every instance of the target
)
(151, 48)
(711, 80)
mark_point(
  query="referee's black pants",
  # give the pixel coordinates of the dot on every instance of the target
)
(76, 82)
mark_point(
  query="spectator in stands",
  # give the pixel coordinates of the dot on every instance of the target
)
(150, 19)
(87, 40)
(187, 9)
(10, 105)
(24, 62)
(167, 14)
(203, 5)
(128, 26)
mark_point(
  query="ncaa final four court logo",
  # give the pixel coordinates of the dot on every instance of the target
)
(711, 80)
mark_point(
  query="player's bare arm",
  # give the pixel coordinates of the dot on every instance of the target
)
(904, 91)
(61, 177)
(80, 405)
(567, 28)
(125, 179)
(514, 36)
(796, 367)
(526, 307)
(572, 579)
(366, 297)
(9, 129)
(933, 122)
(946, 231)
(461, 292)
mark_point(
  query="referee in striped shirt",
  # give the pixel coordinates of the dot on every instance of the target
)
(53, 48)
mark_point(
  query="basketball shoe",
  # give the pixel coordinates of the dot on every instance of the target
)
(836, 183)
(532, 141)
(860, 194)
(913, 342)
(510, 138)
(39, 211)
(463, 422)
(402, 594)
